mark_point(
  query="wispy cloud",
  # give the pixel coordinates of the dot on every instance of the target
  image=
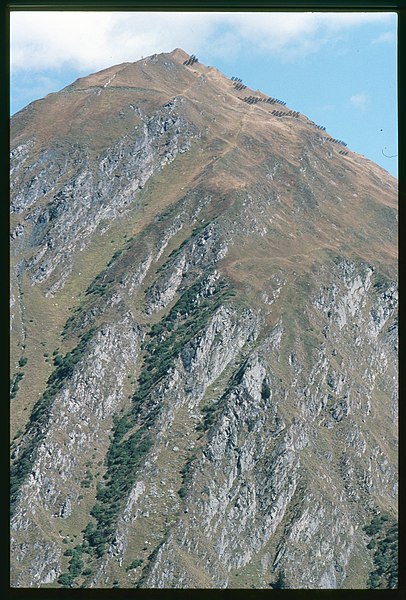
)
(328, 107)
(388, 37)
(95, 40)
(360, 100)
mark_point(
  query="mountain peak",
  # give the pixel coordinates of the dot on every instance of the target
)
(204, 316)
(179, 55)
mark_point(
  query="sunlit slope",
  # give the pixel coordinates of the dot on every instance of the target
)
(204, 350)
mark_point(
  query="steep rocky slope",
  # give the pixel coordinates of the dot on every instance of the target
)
(204, 340)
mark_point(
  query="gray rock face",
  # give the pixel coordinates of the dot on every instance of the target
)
(204, 360)
(199, 255)
(246, 493)
(97, 189)
(78, 427)
(33, 183)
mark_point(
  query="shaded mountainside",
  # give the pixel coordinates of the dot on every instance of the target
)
(204, 340)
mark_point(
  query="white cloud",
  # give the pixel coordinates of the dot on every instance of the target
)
(360, 100)
(95, 40)
(385, 38)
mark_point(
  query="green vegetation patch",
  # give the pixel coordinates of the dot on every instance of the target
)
(96, 287)
(123, 459)
(266, 390)
(280, 583)
(76, 565)
(134, 564)
(380, 282)
(186, 473)
(15, 385)
(383, 533)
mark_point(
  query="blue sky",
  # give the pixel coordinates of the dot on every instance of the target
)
(339, 69)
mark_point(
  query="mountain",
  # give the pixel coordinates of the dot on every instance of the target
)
(204, 340)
